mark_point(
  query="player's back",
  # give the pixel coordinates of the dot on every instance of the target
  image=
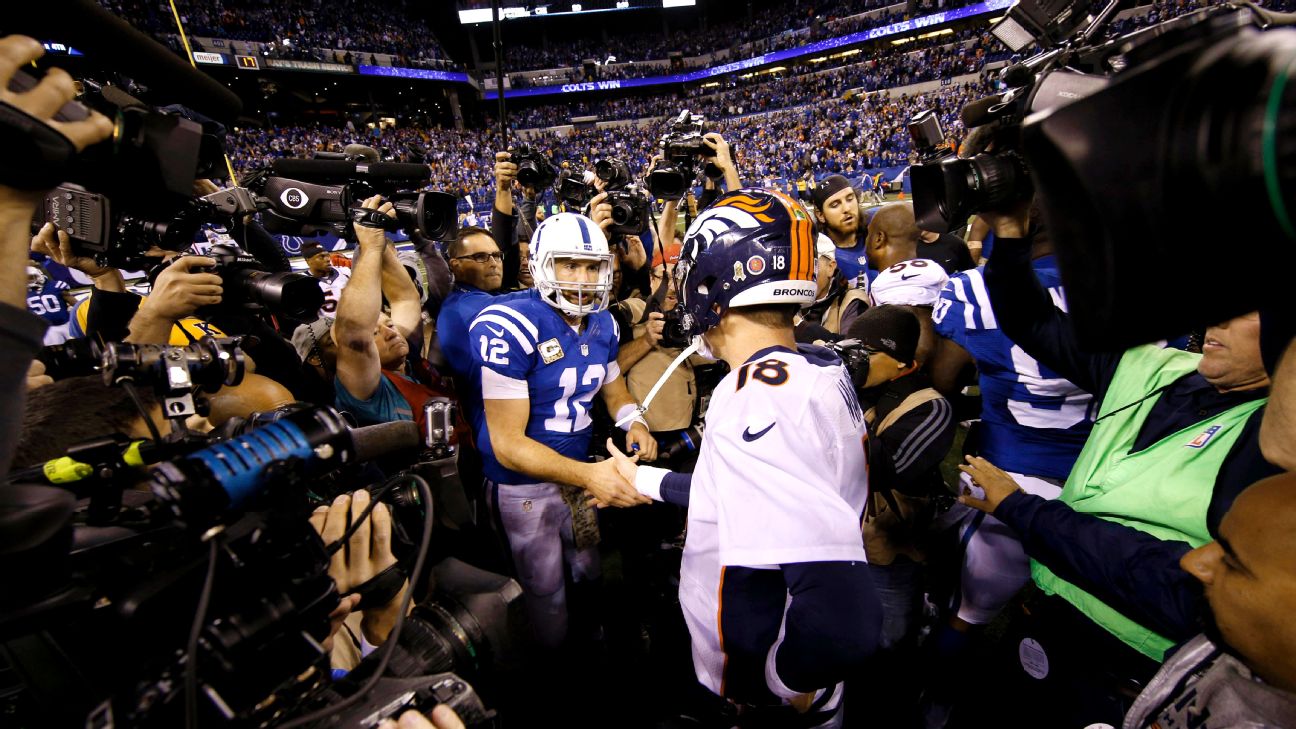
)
(525, 340)
(781, 479)
(1034, 421)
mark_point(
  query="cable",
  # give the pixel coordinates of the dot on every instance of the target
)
(129, 386)
(191, 648)
(389, 646)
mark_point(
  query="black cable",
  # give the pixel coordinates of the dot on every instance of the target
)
(129, 387)
(389, 646)
(355, 526)
(191, 648)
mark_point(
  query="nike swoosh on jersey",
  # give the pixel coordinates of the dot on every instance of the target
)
(496, 332)
(912, 275)
(750, 436)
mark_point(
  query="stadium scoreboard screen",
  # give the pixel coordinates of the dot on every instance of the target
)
(471, 13)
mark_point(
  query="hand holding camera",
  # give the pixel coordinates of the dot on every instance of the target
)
(370, 236)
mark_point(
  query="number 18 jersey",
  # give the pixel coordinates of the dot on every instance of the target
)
(525, 349)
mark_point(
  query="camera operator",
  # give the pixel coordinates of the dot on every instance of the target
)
(374, 381)
(910, 430)
(1176, 439)
(21, 333)
(836, 304)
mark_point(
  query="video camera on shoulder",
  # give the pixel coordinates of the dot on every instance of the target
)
(685, 154)
(1121, 140)
(305, 196)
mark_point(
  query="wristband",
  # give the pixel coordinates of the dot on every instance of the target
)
(628, 415)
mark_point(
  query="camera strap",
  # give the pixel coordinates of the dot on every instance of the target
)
(380, 589)
(643, 406)
(366, 218)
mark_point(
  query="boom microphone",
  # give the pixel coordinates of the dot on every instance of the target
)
(374, 441)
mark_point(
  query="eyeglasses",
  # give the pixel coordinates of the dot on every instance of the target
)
(482, 257)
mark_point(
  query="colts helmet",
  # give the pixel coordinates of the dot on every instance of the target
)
(751, 247)
(567, 236)
(35, 278)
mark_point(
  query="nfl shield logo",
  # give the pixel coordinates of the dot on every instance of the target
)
(584, 350)
(1205, 437)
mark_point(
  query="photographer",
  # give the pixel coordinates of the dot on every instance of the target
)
(1176, 439)
(21, 333)
(373, 381)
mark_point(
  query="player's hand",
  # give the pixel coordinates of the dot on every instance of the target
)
(442, 717)
(505, 171)
(997, 484)
(640, 442)
(374, 237)
(654, 328)
(601, 212)
(36, 376)
(607, 487)
(56, 244)
(180, 290)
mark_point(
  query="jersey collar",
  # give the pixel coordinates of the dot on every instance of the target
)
(768, 351)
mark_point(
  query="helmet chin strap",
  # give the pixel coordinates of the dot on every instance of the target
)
(643, 406)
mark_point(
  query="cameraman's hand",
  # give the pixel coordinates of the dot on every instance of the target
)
(57, 246)
(505, 171)
(374, 237)
(654, 328)
(1011, 223)
(180, 290)
(997, 484)
(36, 376)
(366, 555)
(601, 212)
(442, 717)
(723, 157)
(47, 97)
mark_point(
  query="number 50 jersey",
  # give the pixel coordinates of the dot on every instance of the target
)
(526, 349)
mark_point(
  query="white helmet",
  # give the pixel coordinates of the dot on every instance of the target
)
(570, 235)
(35, 277)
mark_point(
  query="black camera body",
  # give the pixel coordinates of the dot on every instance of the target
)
(629, 204)
(574, 190)
(534, 168)
(856, 359)
(684, 153)
(247, 285)
(674, 334)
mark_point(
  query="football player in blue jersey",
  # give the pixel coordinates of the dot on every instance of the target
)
(543, 355)
(838, 213)
(51, 300)
(1033, 424)
(774, 582)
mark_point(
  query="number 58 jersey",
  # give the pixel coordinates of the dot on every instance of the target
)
(525, 349)
(781, 478)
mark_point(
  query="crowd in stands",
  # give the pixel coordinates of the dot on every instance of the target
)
(297, 28)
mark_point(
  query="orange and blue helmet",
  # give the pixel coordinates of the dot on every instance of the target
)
(751, 247)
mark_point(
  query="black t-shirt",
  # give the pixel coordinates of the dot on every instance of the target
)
(950, 251)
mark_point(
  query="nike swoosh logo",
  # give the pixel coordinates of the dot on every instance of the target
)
(912, 275)
(750, 436)
(496, 332)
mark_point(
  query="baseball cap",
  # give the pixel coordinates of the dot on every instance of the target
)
(307, 336)
(893, 330)
(312, 249)
(824, 247)
(917, 282)
(827, 187)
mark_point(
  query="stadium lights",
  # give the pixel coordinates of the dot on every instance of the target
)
(820, 59)
(902, 41)
(934, 33)
(709, 85)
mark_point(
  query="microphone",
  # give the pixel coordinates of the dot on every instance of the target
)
(86, 26)
(375, 441)
(340, 170)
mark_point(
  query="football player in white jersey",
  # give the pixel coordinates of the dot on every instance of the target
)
(774, 582)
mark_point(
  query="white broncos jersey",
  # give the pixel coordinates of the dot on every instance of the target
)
(781, 478)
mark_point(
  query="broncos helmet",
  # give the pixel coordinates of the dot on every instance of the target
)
(751, 247)
(570, 235)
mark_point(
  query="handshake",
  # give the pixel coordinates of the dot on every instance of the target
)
(611, 481)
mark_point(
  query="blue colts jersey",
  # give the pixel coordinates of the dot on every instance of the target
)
(458, 311)
(524, 343)
(48, 303)
(1034, 421)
